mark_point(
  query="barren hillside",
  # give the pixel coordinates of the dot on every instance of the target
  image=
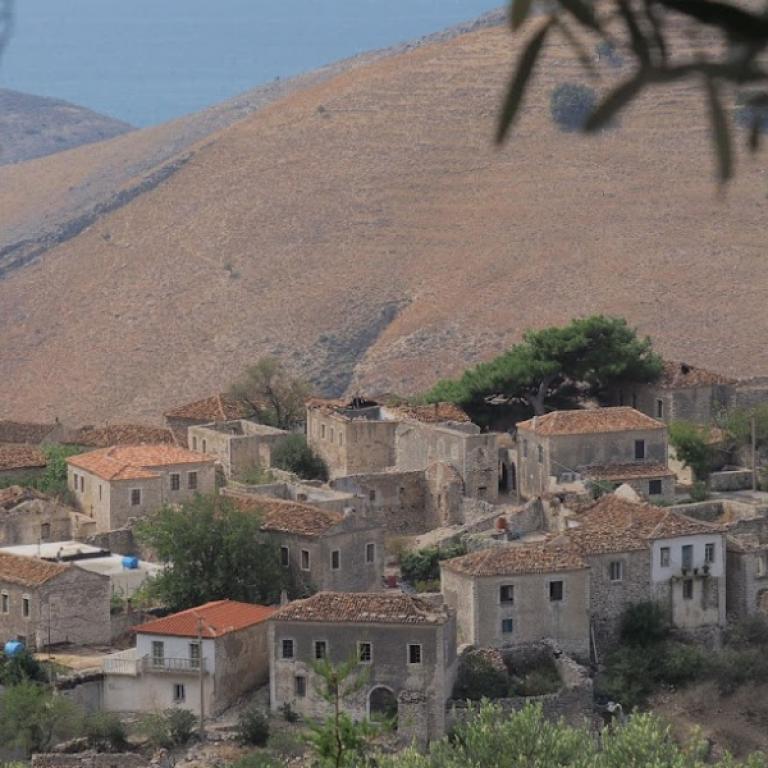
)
(365, 229)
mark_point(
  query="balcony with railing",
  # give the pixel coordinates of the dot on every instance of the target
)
(122, 663)
(169, 665)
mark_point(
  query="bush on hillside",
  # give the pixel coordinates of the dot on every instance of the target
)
(479, 679)
(423, 565)
(571, 105)
(294, 455)
(252, 727)
(644, 624)
(105, 732)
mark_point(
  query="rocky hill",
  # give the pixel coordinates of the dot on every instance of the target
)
(34, 126)
(363, 227)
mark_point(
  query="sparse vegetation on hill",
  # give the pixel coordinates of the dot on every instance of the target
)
(293, 454)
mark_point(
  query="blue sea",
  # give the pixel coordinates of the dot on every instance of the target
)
(147, 61)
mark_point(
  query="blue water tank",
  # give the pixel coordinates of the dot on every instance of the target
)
(13, 648)
(130, 562)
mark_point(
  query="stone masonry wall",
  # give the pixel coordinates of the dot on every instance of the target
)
(89, 760)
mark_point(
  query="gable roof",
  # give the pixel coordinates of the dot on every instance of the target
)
(132, 462)
(615, 524)
(590, 421)
(19, 456)
(292, 517)
(221, 407)
(24, 432)
(363, 608)
(677, 375)
(633, 470)
(518, 559)
(219, 618)
(120, 434)
(28, 571)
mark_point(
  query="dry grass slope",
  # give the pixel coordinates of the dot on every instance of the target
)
(366, 229)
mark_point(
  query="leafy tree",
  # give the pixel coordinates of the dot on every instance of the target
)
(33, 719)
(168, 729)
(644, 625)
(53, 480)
(105, 732)
(21, 667)
(275, 396)
(293, 454)
(252, 727)
(641, 29)
(424, 564)
(691, 447)
(340, 741)
(479, 679)
(571, 105)
(212, 551)
(591, 352)
(738, 423)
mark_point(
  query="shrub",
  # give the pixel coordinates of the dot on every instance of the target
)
(699, 491)
(479, 679)
(541, 679)
(681, 664)
(256, 475)
(643, 624)
(752, 630)
(286, 744)
(294, 455)
(571, 105)
(23, 666)
(257, 760)
(181, 725)
(105, 732)
(252, 727)
(423, 565)
(172, 728)
(286, 710)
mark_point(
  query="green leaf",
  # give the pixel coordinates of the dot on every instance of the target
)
(614, 102)
(721, 135)
(518, 12)
(518, 84)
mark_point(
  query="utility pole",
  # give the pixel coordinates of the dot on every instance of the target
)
(753, 428)
(200, 664)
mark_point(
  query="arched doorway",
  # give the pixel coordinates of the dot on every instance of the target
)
(382, 705)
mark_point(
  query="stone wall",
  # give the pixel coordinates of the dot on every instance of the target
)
(89, 760)
(35, 520)
(83, 689)
(731, 480)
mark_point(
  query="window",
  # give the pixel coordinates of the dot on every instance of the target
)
(555, 591)
(659, 409)
(414, 653)
(194, 655)
(664, 557)
(365, 653)
(284, 556)
(688, 556)
(370, 553)
(541, 454)
(179, 693)
(100, 491)
(205, 445)
(82, 483)
(709, 553)
(762, 570)
(158, 653)
(194, 443)
(331, 434)
(639, 449)
(321, 649)
(287, 649)
(688, 589)
(507, 626)
(481, 491)
(304, 559)
(322, 431)
(45, 531)
(507, 593)
(341, 438)
(335, 560)
(5, 603)
(616, 570)
(300, 686)
(654, 487)
(135, 497)
(192, 481)
(372, 495)
(525, 449)
(175, 481)
(74, 480)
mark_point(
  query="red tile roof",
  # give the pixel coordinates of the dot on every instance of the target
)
(222, 407)
(15, 494)
(28, 571)
(363, 608)
(132, 462)
(517, 559)
(634, 470)
(120, 434)
(218, 618)
(290, 516)
(676, 375)
(21, 457)
(590, 421)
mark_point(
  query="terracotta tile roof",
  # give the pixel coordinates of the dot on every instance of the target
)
(290, 516)
(21, 456)
(222, 407)
(676, 375)
(219, 618)
(634, 470)
(437, 413)
(613, 524)
(120, 434)
(517, 559)
(28, 571)
(14, 495)
(132, 462)
(363, 608)
(590, 421)
(22, 432)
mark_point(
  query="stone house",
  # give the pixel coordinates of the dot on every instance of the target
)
(682, 393)
(220, 645)
(638, 552)
(518, 594)
(406, 646)
(619, 443)
(124, 482)
(323, 549)
(747, 580)
(221, 407)
(237, 446)
(30, 433)
(118, 434)
(21, 462)
(28, 516)
(44, 603)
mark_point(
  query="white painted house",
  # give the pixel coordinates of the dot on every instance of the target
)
(220, 647)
